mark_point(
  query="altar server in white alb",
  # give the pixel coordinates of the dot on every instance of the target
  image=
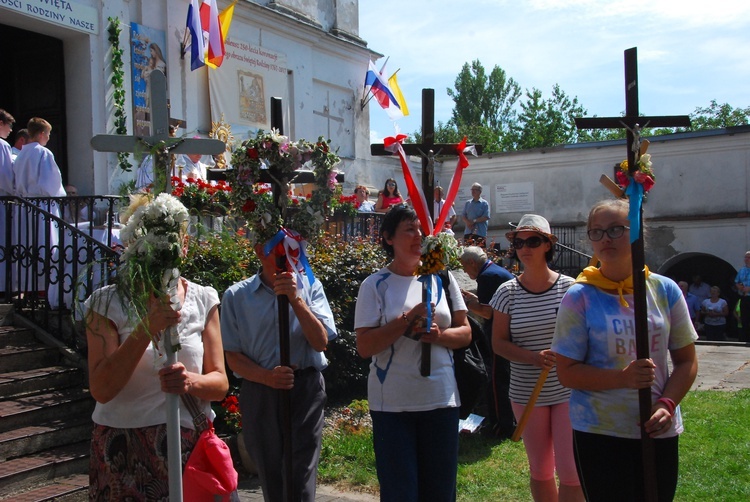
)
(37, 175)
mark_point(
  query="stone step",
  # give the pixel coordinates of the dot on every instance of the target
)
(14, 334)
(20, 383)
(42, 436)
(61, 404)
(69, 489)
(34, 471)
(26, 355)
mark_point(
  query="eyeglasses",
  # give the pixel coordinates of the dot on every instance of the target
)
(391, 184)
(596, 234)
(531, 242)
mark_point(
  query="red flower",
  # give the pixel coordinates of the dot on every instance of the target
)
(249, 206)
(622, 179)
(252, 153)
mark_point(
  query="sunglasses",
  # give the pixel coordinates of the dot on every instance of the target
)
(531, 242)
(596, 234)
(391, 184)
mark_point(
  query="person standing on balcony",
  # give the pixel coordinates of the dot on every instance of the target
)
(36, 175)
(388, 197)
(6, 182)
(22, 137)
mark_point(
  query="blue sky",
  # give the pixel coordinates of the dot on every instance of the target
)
(689, 52)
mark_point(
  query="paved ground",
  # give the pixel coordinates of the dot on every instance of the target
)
(723, 367)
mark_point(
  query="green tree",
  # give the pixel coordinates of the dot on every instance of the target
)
(716, 116)
(449, 133)
(550, 122)
(485, 105)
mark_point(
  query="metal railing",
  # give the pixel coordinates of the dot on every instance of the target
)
(53, 253)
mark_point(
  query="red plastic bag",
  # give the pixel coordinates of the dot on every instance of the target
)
(209, 471)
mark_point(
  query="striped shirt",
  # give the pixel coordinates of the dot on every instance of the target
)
(532, 326)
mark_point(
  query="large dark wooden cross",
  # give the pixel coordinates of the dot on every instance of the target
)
(428, 149)
(160, 127)
(633, 122)
(277, 122)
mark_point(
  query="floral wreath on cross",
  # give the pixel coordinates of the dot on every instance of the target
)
(252, 200)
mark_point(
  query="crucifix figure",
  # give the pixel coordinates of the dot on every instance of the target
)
(160, 127)
(634, 123)
(428, 178)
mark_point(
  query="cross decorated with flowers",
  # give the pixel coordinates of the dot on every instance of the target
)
(633, 123)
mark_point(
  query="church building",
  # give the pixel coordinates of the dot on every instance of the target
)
(57, 62)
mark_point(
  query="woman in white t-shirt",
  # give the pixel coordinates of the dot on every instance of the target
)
(129, 379)
(415, 417)
(714, 311)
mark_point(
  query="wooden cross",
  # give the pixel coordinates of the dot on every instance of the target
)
(633, 122)
(160, 127)
(285, 348)
(427, 150)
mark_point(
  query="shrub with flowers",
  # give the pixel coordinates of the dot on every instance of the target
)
(272, 157)
(643, 173)
(344, 204)
(202, 197)
(228, 417)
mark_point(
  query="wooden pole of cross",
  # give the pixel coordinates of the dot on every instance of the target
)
(121, 143)
(633, 122)
(428, 149)
(277, 122)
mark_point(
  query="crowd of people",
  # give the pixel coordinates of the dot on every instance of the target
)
(560, 361)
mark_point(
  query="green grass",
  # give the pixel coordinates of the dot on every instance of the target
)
(714, 456)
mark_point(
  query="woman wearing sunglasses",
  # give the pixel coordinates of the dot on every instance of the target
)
(388, 197)
(596, 357)
(522, 328)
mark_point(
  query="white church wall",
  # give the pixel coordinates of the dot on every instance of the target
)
(698, 205)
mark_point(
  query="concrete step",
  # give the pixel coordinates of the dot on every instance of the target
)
(13, 334)
(24, 410)
(69, 489)
(27, 354)
(34, 471)
(20, 383)
(42, 436)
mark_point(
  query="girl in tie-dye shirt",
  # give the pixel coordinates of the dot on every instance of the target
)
(595, 342)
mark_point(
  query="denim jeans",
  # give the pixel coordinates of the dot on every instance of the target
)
(416, 454)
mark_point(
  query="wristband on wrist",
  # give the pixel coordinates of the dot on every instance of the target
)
(670, 404)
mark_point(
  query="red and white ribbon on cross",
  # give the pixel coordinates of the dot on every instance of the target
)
(415, 192)
(393, 144)
(450, 197)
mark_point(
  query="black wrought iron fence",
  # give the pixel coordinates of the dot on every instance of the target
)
(53, 253)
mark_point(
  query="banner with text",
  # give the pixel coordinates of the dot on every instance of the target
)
(241, 88)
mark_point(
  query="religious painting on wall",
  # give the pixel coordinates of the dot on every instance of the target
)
(148, 47)
(241, 88)
(252, 97)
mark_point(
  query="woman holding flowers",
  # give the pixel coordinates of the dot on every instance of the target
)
(522, 328)
(596, 357)
(126, 327)
(415, 418)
